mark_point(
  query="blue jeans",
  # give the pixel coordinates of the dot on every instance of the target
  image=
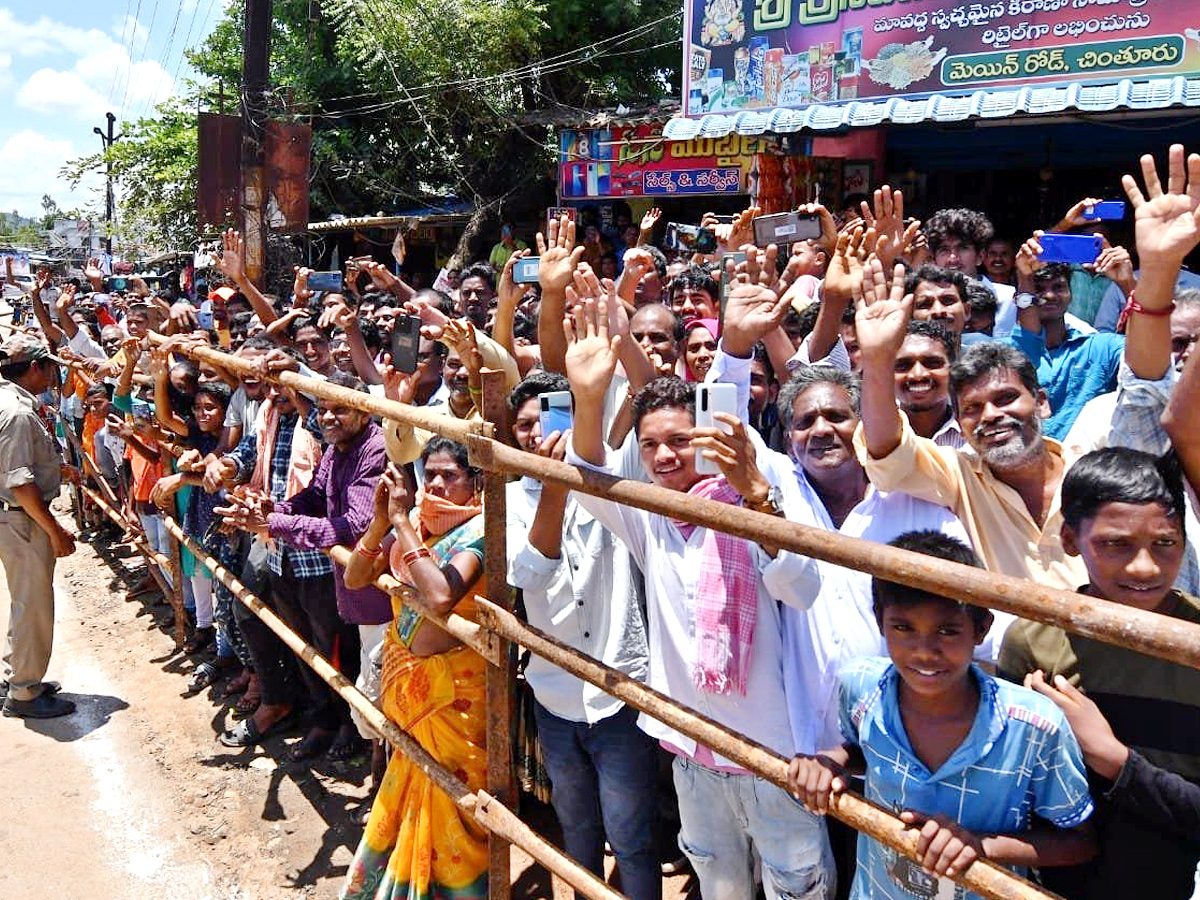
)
(602, 780)
(728, 818)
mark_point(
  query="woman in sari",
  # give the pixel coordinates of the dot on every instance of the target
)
(418, 844)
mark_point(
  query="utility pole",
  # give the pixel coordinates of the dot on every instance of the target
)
(256, 51)
(107, 140)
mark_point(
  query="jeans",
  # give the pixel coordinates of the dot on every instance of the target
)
(727, 818)
(158, 538)
(602, 783)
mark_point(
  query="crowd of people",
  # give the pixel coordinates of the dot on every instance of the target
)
(926, 385)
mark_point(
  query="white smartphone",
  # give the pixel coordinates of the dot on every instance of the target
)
(555, 412)
(713, 398)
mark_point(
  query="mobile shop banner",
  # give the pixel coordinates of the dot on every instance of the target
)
(635, 161)
(762, 54)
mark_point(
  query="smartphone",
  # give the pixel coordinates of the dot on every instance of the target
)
(406, 341)
(691, 238)
(525, 271)
(325, 281)
(1080, 249)
(738, 256)
(1105, 210)
(724, 220)
(116, 283)
(555, 412)
(713, 398)
(786, 228)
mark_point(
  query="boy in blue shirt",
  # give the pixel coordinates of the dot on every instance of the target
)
(965, 758)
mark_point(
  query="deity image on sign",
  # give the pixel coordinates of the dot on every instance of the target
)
(723, 23)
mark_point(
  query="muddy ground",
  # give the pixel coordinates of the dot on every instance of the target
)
(132, 797)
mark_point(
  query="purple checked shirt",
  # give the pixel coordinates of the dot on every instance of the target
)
(337, 508)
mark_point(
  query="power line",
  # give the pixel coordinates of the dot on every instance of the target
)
(187, 40)
(149, 34)
(166, 54)
(129, 55)
(112, 88)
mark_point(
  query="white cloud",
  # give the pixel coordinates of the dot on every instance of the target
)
(103, 74)
(29, 167)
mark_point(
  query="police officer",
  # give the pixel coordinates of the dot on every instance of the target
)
(31, 539)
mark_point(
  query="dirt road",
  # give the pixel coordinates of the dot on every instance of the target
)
(132, 797)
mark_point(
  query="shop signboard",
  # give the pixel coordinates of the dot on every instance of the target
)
(763, 54)
(635, 161)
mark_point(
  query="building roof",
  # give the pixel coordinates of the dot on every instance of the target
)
(983, 105)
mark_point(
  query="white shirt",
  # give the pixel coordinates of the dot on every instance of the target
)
(587, 599)
(671, 566)
(841, 625)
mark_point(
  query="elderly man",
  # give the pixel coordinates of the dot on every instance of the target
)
(31, 539)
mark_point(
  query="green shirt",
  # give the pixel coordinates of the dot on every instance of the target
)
(1152, 705)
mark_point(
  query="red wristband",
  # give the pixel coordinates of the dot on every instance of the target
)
(1132, 306)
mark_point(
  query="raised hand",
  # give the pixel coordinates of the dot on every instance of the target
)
(741, 230)
(1166, 223)
(300, 292)
(649, 220)
(232, 263)
(508, 292)
(733, 452)
(1074, 216)
(883, 311)
(381, 277)
(751, 312)
(591, 353)
(829, 229)
(1115, 264)
(399, 386)
(887, 218)
(399, 498)
(557, 255)
(338, 315)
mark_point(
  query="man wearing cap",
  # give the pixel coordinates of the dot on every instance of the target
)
(31, 472)
(509, 244)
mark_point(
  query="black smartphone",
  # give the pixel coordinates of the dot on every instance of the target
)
(786, 228)
(406, 341)
(691, 238)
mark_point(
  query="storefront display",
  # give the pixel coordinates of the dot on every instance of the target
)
(767, 54)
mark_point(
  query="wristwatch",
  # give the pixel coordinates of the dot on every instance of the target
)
(1024, 300)
(772, 506)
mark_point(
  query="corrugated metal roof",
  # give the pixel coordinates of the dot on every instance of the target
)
(1158, 93)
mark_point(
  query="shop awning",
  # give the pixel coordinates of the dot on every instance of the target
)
(1153, 94)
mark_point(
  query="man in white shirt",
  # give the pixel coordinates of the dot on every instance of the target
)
(579, 587)
(730, 672)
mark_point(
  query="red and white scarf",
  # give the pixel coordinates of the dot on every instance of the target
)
(726, 606)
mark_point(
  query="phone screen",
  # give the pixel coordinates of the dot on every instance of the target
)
(406, 341)
(555, 412)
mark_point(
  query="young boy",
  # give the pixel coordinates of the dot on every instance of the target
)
(1123, 514)
(963, 757)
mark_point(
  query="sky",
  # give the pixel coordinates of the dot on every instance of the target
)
(64, 64)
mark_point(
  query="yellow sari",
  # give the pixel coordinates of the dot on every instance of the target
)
(418, 845)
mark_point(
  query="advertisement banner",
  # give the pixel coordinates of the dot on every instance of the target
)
(763, 54)
(635, 161)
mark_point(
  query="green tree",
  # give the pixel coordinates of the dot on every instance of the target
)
(155, 169)
(410, 101)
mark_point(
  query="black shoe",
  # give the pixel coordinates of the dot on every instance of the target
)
(43, 706)
(48, 687)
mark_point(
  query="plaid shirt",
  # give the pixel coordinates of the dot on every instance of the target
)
(305, 563)
(1020, 758)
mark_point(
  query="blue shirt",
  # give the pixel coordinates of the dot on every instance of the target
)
(1020, 757)
(1082, 367)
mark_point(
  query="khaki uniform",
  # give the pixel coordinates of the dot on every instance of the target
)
(29, 454)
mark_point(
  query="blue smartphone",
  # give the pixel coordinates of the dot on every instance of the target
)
(1080, 249)
(555, 412)
(325, 281)
(525, 271)
(1105, 210)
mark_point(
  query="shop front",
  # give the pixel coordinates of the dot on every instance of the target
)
(1018, 107)
(605, 168)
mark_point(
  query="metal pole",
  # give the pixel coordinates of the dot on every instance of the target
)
(255, 81)
(501, 680)
(106, 141)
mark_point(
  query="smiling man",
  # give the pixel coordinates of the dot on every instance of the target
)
(1004, 484)
(923, 383)
(1072, 366)
(940, 295)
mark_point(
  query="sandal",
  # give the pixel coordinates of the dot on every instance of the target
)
(204, 676)
(346, 747)
(249, 702)
(309, 746)
(200, 640)
(246, 734)
(236, 685)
